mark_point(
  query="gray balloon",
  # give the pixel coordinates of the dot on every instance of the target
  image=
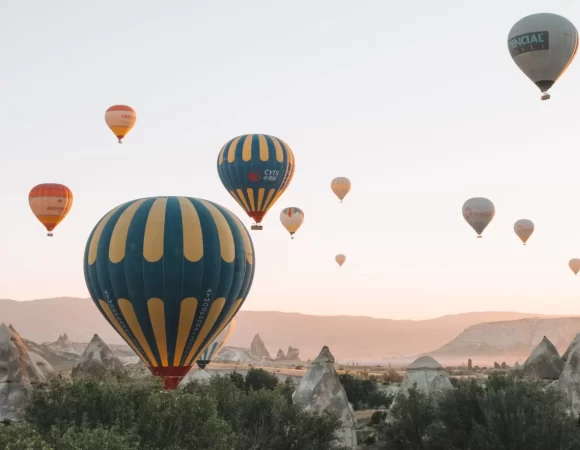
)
(543, 46)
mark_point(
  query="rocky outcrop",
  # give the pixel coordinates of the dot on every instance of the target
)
(98, 361)
(320, 390)
(575, 343)
(293, 354)
(544, 362)
(258, 349)
(426, 375)
(18, 374)
(280, 356)
(569, 382)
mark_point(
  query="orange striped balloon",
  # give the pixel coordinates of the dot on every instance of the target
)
(120, 119)
(50, 203)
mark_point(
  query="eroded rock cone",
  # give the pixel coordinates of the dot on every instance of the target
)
(258, 349)
(544, 362)
(97, 361)
(280, 356)
(575, 343)
(320, 390)
(18, 374)
(293, 354)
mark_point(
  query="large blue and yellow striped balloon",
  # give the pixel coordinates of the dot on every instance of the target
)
(256, 169)
(169, 274)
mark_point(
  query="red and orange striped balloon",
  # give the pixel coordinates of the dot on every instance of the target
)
(120, 119)
(50, 203)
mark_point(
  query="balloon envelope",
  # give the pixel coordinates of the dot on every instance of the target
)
(543, 46)
(340, 259)
(169, 274)
(574, 264)
(256, 169)
(214, 347)
(478, 212)
(120, 119)
(50, 203)
(340, 186)
(524, 229)
(292, 218)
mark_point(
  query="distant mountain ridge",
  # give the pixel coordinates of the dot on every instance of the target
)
(350, 337)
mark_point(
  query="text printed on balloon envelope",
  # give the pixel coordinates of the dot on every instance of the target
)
(529, 42)
(199, 323)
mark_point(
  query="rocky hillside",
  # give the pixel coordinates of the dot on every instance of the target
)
(508, 341)
(350, 337)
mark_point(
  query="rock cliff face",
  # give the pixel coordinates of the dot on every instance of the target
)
(575, 343)
(258, 349)
(18, 374)
(320, 390)
(511, 339)
(280, 356)
(98, 361)
(544, 362)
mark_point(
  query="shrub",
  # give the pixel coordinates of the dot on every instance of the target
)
(378, 417)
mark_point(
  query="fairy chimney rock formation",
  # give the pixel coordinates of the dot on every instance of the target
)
(569, 382)
(258, 349)
(280, 356)
(18, 374)
(98, 361)
(575, 342)
(293, 354)
(544, 362)
(320, 390)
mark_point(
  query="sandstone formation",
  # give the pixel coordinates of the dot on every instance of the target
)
(293, 354)
(544, 362)
(320, 390)
(98, 361)
(569, 381)
(42, 364)
(280, 356)
(575, 342)
(18, 374)
(258, 349)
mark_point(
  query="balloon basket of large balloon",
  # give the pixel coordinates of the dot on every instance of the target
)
(49, 234)
(545, 96)
(171, 376)
(257, 227)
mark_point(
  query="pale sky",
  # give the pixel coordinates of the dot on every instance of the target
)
(418, 103)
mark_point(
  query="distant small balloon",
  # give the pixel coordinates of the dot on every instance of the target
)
(340, 259)
(574, 265)
(340, 186)
(50, 203)
(292, 218)
(478, 212)
(120, 119)
(524, 229)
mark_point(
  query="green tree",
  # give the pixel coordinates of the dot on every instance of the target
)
(258, 379)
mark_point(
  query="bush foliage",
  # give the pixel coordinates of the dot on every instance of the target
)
(232, 412)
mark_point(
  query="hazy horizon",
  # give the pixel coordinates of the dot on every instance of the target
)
(420, 114)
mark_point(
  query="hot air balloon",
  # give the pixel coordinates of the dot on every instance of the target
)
(50, 203)
(524, 229)
(340, 186)
(256, 169)
(120, 119)
(478, 212)
(213, 349)
(543, 46)
(169, 274)
(340, 259)
(574, 265)
(292, 218)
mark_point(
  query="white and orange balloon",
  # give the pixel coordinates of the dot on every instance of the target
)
(524, 229)
(120, 119)
(292, 218)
